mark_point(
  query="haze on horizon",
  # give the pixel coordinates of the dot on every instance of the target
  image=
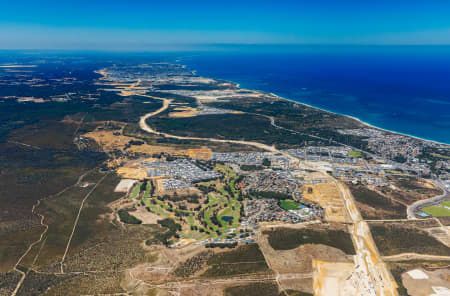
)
(143, 25)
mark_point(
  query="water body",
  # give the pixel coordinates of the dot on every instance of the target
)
(403, 89)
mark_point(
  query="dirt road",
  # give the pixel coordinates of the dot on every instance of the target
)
(415, 256)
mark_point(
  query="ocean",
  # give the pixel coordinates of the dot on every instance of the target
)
(405, 89)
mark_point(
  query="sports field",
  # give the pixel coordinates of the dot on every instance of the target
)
(289, 204)
(438, 211)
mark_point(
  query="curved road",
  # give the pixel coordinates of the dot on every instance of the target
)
(166, 102)
(428, 202)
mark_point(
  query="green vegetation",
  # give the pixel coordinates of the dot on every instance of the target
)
(266, 162)
(269, 194)
(136, 191)
(164, 237)
(437, 211)
(289, 204)
(354, 153)
(246, 167)
(126, 217)
(397, 238)
(287, 238)
(253, 289)
(222, 200)
(446, 203)
(244, 259)
(154, 207)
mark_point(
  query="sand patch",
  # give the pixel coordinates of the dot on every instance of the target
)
(30, 99)
(132, 173)
(181, 112)
(124, 185)
(114, 140)
(203, 153)
(417, 274)
(328, 196)
(421, 282)
(333, 278)
(145, 216)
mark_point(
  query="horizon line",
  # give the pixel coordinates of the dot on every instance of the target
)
(197, 46)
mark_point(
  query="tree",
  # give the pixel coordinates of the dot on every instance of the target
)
(266, 162)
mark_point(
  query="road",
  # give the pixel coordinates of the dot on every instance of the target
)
(144, 126)
(375, 278)
(415, 256)
(412, 209)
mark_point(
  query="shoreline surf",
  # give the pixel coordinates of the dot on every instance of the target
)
(359, 120)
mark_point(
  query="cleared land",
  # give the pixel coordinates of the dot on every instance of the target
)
(331, 278)
(408, 287)
(327, 196)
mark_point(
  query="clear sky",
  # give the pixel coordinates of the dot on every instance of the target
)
(141, 25)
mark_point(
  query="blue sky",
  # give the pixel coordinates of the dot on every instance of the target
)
(140, 25)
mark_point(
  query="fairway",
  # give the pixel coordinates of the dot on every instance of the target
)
(437, 211)
(136, 191)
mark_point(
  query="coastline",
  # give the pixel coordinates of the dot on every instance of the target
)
(387, 130)
(359, 120)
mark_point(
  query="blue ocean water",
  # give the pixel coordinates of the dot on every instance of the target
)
(403, 89)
